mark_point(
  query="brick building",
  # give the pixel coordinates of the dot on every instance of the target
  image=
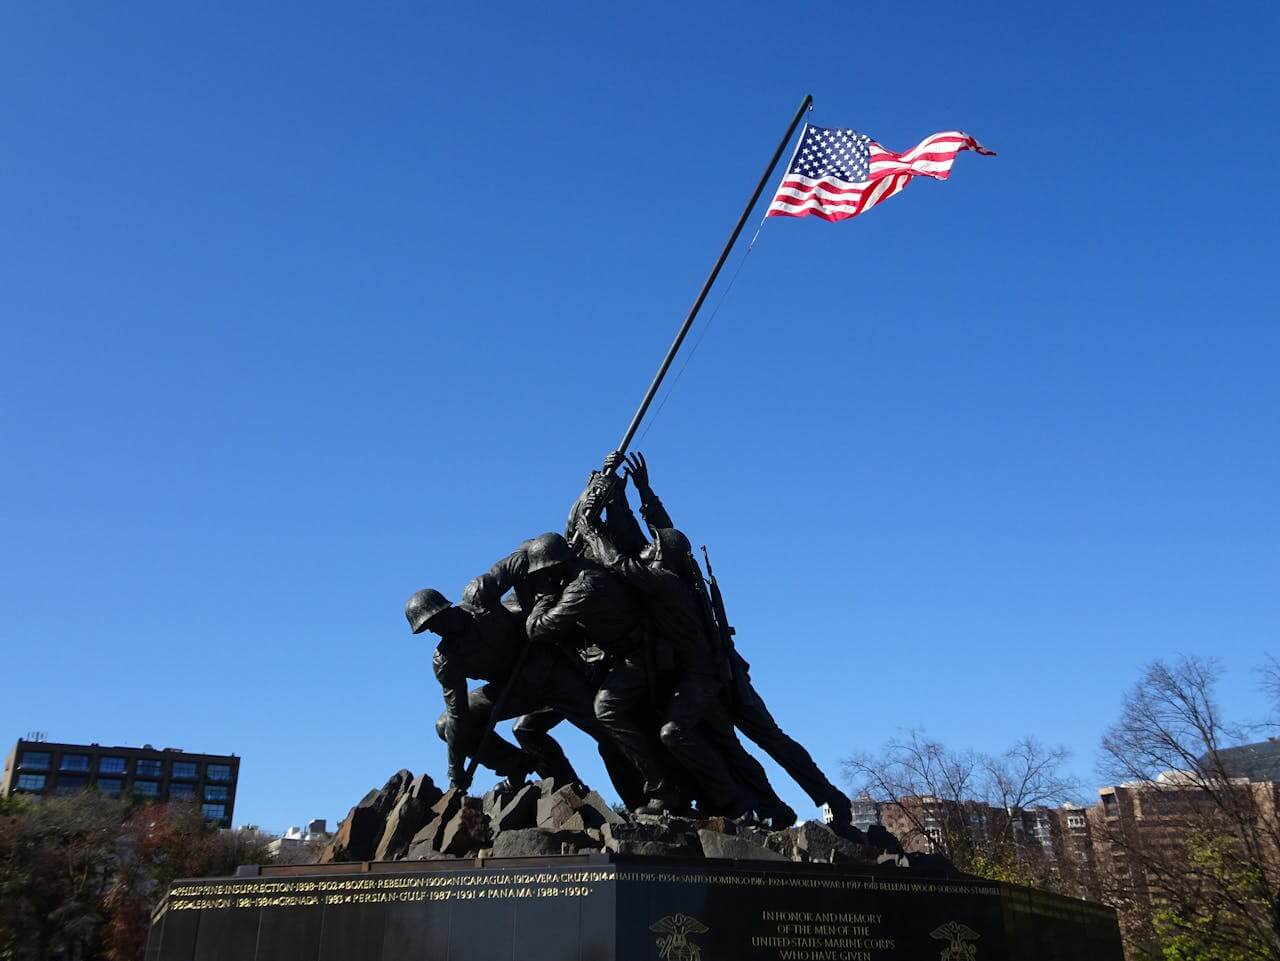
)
(41, 768)
(1149, 821)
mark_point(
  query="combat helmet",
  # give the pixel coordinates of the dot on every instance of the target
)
(546, 550)
(673, 549)
(424, 605)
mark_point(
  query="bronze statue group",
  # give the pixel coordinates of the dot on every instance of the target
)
(617, 634)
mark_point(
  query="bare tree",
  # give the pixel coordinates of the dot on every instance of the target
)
(1201, 858)
(966, 805)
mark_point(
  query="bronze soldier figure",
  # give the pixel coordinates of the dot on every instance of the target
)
(541, 564)
(485, 644)
(694, 726)
(473, 644)
(751, 715)
(579, 603)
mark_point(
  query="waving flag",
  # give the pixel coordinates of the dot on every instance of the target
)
(836, 173)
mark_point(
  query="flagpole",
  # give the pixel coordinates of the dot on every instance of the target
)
(805, 106)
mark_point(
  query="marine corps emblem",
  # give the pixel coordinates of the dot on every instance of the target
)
(674, 943)
(956, 935)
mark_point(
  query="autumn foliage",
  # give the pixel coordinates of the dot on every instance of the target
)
(80, 876)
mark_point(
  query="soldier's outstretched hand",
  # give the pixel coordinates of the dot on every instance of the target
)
(637, 470)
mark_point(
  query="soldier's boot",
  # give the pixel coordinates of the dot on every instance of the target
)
(880, 837)
(668, 802)
(511, 783)
(778, 816)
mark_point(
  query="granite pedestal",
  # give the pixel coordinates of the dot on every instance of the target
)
(603, 907)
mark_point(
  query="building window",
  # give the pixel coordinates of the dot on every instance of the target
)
(218, 772)
(1075, 820)
(110, 786)
(215, 812)
(215, 793)
(35, 760)
(31, 782)
(179, 791)
(74, 762)
(146, 788)
(110, 765)
(70, 784)
(184, 769)
(148, 768)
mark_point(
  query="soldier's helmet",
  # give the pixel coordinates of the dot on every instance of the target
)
(546, 551)
(423, 606)
(673, 549)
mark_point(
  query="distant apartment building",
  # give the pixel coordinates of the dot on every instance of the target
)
(924, 823)
(42, 768)
(1060, 839)
(1142, 822)
(866, 812)
(298, 845)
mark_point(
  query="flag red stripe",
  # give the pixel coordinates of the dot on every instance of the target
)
(820, 185)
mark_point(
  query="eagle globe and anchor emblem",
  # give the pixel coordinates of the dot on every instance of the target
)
(673, 942)
(957, 936)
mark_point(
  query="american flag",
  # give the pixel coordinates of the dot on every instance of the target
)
(836, 174)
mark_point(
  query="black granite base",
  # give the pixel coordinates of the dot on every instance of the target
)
(614, 908)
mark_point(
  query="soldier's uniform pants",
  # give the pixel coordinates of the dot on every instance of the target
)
(699, 733)
(751, 716)
(622, 705)
(561, 686)
(532, 731)
(499, 755)
(751, 778)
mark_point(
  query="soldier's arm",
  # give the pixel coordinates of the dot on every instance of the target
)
(651, 509)
(621, 524)
(654, 514)
(454, 684)
(631, 570)
(557, 617)
(486, 591)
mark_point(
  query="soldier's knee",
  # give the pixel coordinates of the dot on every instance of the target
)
(442, 726)
(529, 734)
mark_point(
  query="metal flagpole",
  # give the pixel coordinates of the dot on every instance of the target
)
(805, 105)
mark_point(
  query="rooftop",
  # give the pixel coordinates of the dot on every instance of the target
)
(1257, 762)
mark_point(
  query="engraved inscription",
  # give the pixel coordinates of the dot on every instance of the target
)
(868, 884)
(288, 893)
(822, 936)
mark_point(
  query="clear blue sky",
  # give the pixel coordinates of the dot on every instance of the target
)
(307, 306)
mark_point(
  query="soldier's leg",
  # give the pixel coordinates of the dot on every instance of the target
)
(571, 690)
(625, 777)
(751, 716)
(749, 773)
(686, 733)
(533, 732)
(499, 755)
(619, 705)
